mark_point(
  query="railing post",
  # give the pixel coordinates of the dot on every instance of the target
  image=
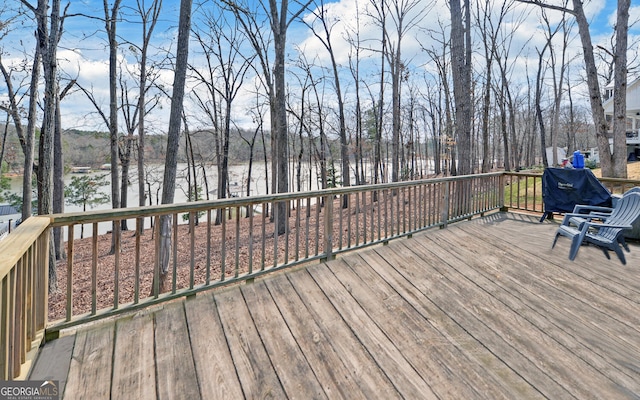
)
(328, 227)
(444, 213)
(501, 185)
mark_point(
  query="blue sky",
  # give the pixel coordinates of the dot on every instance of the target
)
(83, 49)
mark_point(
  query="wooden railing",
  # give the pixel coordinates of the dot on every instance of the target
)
(215, 243)
(104, 274)
(24, 259)
(523, 190)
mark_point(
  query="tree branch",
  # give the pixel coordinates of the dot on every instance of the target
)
(549, 6)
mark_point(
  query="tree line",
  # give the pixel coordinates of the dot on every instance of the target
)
(385, 94)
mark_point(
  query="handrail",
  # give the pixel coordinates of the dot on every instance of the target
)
(320, 224)
(23, 295)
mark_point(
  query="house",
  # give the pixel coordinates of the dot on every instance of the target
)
(633, 115)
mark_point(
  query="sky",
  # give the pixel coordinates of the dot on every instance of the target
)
(83, 52)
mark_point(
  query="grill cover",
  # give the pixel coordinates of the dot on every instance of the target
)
(563, 188)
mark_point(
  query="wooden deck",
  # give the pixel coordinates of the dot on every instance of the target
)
(481, 310)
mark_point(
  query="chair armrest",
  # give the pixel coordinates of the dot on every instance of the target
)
(598, 225)
(581, 208)
(583, 217)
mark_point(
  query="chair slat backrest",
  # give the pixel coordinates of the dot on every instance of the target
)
(625, 213)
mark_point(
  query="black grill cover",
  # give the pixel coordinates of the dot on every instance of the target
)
(563, 188)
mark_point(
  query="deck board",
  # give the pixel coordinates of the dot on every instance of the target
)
(384, 350)
(365, 372)
(484, 309)
(315, 344)
(257, 375)
(507, 315)
(212, 358)
(463, 357)
(175, 367)
(294, 372)
(134, 364)
(91, 364)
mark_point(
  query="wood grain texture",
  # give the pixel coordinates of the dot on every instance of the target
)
(175, 370)
(91, 364)
(216, 372)
(133, 359)
(256, 373)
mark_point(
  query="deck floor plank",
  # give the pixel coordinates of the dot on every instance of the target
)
(617, 310)
(556, 360)
(176, 374)
(364, 371)
(328, 365)
(560, 345)
(411, 330)
(468, 356)
(386, 353)
(133, 359)
(216, 373)
(54, 360)
(91, 364)
(296, 375)
(256, 373)
(596, 327)
(468, 308)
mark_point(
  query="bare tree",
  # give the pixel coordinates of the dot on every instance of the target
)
(280, 17)
(323, 31)
(48, 36)
(173, 140)
(221, 42)
(620, 93)
(612, 164)
(461, 67)
(135, 114)
(111, 15)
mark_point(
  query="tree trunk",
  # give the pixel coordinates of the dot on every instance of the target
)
(595, 96)
(173, 139)
(620, 93)
(461, 67)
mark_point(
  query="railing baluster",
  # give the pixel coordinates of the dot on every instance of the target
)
(116, 265)
(317, 239)
(156, 269)
(208, 271)
(250, 255)
(344, 201)
(136, 283)
(94, 268)
(237, 254)
(297, 229)
(223, 244)
(307, 232)
(276, 214)
(349, 233)
(70, 242)
(286, 232)
(357, 220)
(174, 246)
(364, 217)
(192, 248)
(264, 234)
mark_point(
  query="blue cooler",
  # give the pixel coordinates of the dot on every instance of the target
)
(578, 159)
